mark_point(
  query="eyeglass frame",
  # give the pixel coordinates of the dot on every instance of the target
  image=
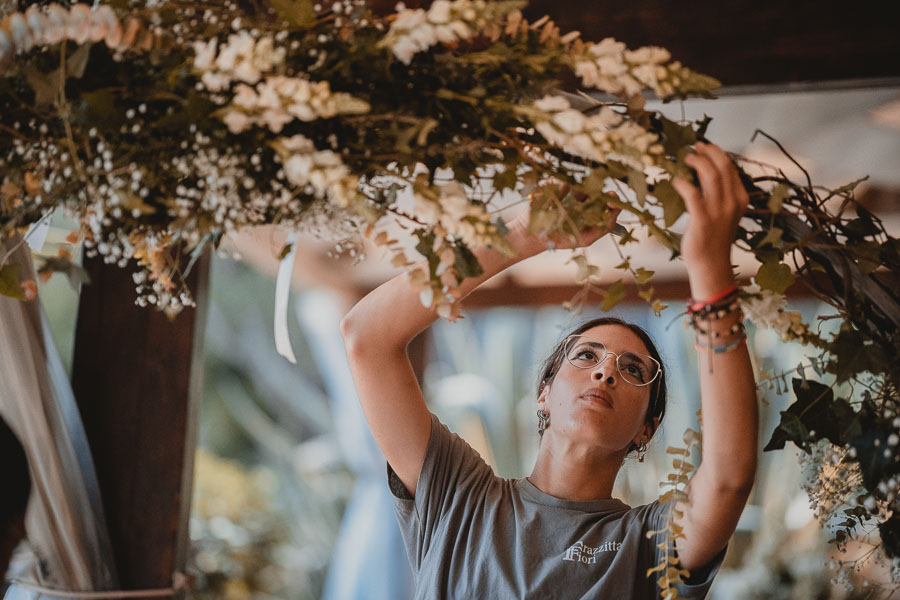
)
(607, 352)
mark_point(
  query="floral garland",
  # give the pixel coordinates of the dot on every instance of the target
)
(162, 127)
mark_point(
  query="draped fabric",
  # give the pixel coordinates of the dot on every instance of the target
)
(67, 542)
(369, 562)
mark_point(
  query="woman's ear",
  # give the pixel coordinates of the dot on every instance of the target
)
(647, 431)
(543, 392)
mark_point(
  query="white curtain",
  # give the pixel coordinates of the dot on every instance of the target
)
(67, 542)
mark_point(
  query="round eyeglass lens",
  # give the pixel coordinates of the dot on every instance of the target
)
(634, 367)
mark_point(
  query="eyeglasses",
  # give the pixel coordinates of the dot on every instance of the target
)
(635, 368)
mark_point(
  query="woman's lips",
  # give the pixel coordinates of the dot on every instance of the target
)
(597, 397)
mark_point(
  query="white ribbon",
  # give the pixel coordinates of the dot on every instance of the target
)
(37, 233)
(282, 294)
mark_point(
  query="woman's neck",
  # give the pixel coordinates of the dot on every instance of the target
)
(573, 471)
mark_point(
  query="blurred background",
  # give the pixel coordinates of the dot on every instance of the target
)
(290, 495)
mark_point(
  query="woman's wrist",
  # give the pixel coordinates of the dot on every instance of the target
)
(709, 279)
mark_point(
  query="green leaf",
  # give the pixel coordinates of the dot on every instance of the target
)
(867, 255)
(673, 204)
(862, 226)
(9, 281)
(775, 276)
(614, 295)
(814, 416)
(297, 13)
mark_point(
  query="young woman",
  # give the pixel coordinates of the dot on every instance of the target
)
(558, 533)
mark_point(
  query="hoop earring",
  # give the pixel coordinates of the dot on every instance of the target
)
(641, 451)
(543, 420)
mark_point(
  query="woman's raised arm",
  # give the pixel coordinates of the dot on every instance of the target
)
(376, 334)
(719, 489)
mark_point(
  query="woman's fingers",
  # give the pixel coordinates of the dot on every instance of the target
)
(689, 193)
(731, 182)
(711, 184)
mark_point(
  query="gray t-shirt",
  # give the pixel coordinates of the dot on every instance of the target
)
(471, 534)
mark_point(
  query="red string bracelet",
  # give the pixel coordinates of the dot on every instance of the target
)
(696, 305)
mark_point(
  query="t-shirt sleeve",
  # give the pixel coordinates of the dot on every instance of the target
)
(700, 580)
(453, 474)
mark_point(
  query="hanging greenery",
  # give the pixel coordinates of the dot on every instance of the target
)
(161, 126)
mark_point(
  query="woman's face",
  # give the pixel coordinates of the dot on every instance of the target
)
(597, 406)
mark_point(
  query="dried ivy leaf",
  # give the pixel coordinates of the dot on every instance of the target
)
(297, 13)
(614, 295)
(9, 281)
(673, 203)
(777, 196)
(638, 182)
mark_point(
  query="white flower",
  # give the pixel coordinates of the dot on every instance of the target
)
(461, 30)
(245, 71)
(607, 46)
(439, 12)
(404, 49)
(445, 34)
(242, 43)
(552, 103)
(611, 66)
(237, 121)
(285, 86)
(215, 81)
(297, 169)
(304, 112)
(648, 54)
(275, 120)
(423, 36)
(268, 96)
(298, 143)
(205, 54)
(766, 309)
(425, 210)
(245, 96)
(570, 121)
(227, 58)
(409, 19)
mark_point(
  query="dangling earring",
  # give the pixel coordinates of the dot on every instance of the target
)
(641, 451)
(543, 420)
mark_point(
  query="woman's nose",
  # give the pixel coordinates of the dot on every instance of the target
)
(604, 372)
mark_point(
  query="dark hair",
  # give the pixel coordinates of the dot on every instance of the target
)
(658, 394)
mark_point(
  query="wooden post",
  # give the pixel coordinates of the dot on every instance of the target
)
(137, 379)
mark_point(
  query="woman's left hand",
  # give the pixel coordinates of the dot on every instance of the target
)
(715, 211)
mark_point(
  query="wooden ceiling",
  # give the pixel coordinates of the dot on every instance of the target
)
(760, 46)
